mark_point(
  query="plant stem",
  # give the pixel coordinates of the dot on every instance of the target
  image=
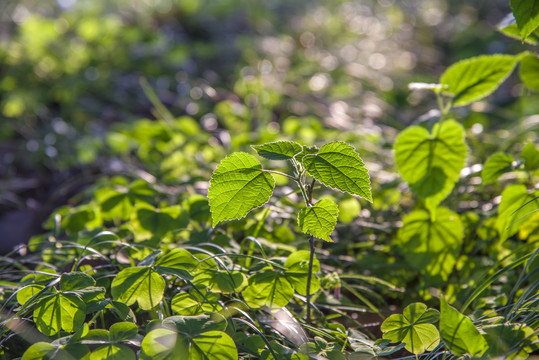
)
(309, 276)
(279, 173)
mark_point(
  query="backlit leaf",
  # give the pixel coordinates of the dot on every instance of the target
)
(319, 220)
(113, 352)
(472, 79)
(269, 288)
(61, 311)
(297, 266)
(529, 71)
(237, 186)
(431, 162)
(495, 166)
(432, 246)
(45, 351)
(279, 150)
(515, 209)
(75, 280)
(530, 154)
(138, 284)
(414, 327)
(339, 166)
(459, 333)
(526, 13)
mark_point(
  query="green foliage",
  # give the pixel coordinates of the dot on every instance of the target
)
(414, 327)
(529, 71)
(319, 220)
(138, 284)
(431, 161)
(237, 186)
(459, 333)
(339, 166)
(527, 16)
(472, 79)
(515, 209)
(279, 150)
(495, 166)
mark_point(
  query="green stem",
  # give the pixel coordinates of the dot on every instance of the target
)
(309, 276)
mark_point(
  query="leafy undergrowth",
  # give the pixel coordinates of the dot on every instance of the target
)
(174, 258)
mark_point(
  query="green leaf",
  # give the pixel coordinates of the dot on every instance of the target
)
(195, 325)
(221, 281)
(515, 209)
(123, 331)
(25, 293)
(349, 209)
(529, 71)
(237, 186)
(61, 311)
(526, 13)
(45, 351)
(510, 341)
(153, 220)
(279, 150)
(75, 281)
(113, 352)
(339, 166)
(495, 166)
(164, 344)
(297, 266)
(432, 246)
(431, 162)
(472, 79)
(138, 284)
(414, 327)
(179, 262)
(319, 220)
(307, 150)
(269, 288)
(530, 154)
(459, 333)
(195, 304)
(508, 26)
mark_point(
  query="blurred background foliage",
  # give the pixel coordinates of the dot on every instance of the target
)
(163, 89)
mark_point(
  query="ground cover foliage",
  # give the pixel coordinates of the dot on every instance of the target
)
(325, 180)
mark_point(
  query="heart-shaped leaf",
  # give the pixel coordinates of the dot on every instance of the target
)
(339, 166)
(431, 245)
(138, 284)
(279, 150)
(238, 185)
(319, 220)
(431, 162)
(495, 166)
(60, 311)
(414, 327)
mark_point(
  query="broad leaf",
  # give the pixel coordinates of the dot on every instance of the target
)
(179, 262)
(414, 327)
(432, 246)
(45, 351)
(237, 186)
(515, 209)
(269, 288)
(123, 331)
(510, 341)
(25, 293)
(459, 333)
(153, 220)
(138, 284)
(339, 166)
(75, 281)
(297, 266)
(508, 26)
(526, 13)
(279, 150)
(529, 71)
(319, 220)
(431, 162)
(113, 352)
(472, 79)
(61, 311)
(495, 166)
(530, 155)
(193, 303)
(221, 281)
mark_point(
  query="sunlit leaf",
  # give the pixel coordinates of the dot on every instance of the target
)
(297, 265)
(515, 209)
(123, 331)
(472, 79)
(138, 284)
(269, 288)
(495, 166)
(431, 162)
(414, 327)
(279, 150)
(237, 186)
(113, 352)
(530, 154)
(319, 220)
(526, 13)
(432, 246)
(459, 333)
(60, 311)
(75, 280)
(45, 351)
(339, 166)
